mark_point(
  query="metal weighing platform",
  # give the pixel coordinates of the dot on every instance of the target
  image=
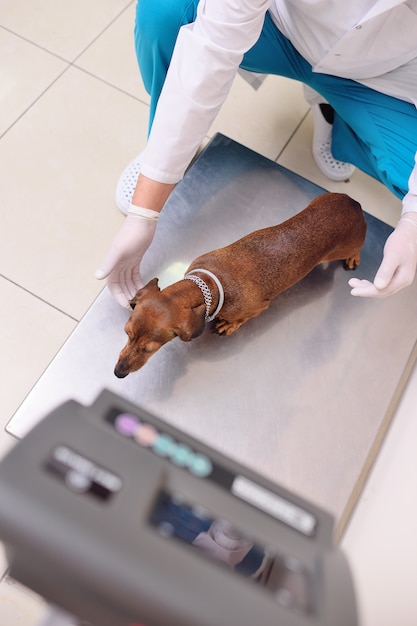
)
(304, 393)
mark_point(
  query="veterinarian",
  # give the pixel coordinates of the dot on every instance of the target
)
(358, 61)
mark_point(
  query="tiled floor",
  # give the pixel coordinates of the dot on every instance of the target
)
(73, 112)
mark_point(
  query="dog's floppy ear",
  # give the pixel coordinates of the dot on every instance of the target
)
(152, 285)
(192, 324)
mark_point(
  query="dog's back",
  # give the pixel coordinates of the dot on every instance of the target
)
(264, 263)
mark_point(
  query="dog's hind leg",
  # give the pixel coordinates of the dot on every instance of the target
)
(353, 261)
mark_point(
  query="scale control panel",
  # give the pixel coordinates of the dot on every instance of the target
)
(123, 520)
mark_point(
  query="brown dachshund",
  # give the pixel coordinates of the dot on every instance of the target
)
(238, 282)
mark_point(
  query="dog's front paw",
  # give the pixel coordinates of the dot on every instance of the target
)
(223, 327)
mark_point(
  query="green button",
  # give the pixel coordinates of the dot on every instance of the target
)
(201, 466)
(182, 455)
(163, 445)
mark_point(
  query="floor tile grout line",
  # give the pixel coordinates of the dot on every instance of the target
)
(77, 56)
(93, 41)
(38, 97)
(33, 43)
(34, 295)
(80, 69)
(291, 137)
(109, 84)
(69, 65)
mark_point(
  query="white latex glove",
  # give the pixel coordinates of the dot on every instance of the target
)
(223, 544)
(399, 263)
(121, 264)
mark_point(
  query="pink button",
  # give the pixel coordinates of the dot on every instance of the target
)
(145, 435)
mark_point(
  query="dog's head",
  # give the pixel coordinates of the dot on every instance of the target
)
(157, 318)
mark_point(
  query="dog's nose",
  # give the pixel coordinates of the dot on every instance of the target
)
(120, 372)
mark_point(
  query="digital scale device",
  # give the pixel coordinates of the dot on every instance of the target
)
(120, 519)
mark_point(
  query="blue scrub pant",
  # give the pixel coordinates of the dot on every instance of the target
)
(375, 132)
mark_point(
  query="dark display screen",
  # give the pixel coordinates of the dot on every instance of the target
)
(219, 541)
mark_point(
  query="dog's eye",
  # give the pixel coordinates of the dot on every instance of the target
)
(152, 346)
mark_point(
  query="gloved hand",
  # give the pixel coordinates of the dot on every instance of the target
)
(223, 544)
(399, 263)
(121, 264)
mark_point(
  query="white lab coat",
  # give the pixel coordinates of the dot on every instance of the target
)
(372, 42)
